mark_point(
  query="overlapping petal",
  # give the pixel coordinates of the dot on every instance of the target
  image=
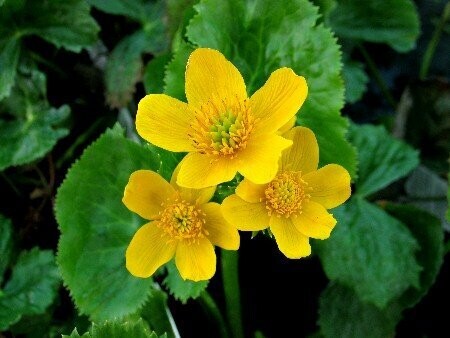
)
(199, 196)
(304, 154)
(196, 260)
(330, 185)
(145, 193)
(164, 121)
(291, 242)
(278, 100)
(148, 251)
(220, 232)
(250, 192)
(210, 75)
(314, 221)
(244, 215)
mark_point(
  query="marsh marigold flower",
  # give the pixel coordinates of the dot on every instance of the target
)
(222, 129)
(294, 204)
(182, 225)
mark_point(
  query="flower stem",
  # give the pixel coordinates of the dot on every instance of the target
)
(431, 48)
(212, 310)
(230, 277)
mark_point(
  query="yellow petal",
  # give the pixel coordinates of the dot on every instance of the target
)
(304, 154)
(259, 161)
(250, 192)
(196, 261)
(209, 75)
(145, 192)
(200, 171)
(199, 196)
(279, 99)
(221, 233)
(330, 185)
(164, 122)
(148, 250)
(290, 241)
(287, 126)
(244, 215)
(314, 221)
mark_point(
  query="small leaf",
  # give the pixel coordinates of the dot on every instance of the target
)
(174, 76)
(9, 58)
(154, 74)
(181, 289)
(32, 288)
(6, 244)
(355, 79)
(363, 253)
(395, 22)
(96, 227)
(382, 159)
(342, 314)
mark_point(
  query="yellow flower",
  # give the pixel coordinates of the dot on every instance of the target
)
(182, 224)
(294, 203)
(223, 130)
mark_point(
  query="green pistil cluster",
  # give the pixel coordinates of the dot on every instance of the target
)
(225, 130)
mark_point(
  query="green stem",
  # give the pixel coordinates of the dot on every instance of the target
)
(230, 276)
(434, 41)
(212, 310)
(378, 78)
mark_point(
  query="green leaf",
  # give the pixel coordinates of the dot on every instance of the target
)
(355, 79)
(65, 23)
(154, 74)
(116, 329)
(6, 245)
(259, 37)
(35, 127)
(9, 58)
(182, 290)
(395, 22)
(363, 253)
(32, 288)
(96, 227)
(429, 234)
(382, 159)
(134, 9)
(342, 314)
(174, 75)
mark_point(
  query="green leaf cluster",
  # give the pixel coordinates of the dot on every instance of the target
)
(375, 278)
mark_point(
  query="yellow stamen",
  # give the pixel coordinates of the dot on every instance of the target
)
(222, 127)
(286, 193)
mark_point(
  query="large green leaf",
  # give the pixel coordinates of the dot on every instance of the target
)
(260, 36)
(181, 289)
(364, 254)
(35, 126)
(343, 315)
(139, 10)
(355, 79)
(9, 58)
(65, 23)
(32, 288)
(117, 329)
(395, 22)
(382, 159)
(5, 244)
(96, 227)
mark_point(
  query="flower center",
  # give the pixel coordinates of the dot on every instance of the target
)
(286, 194)
(221, 127)
(182, 220)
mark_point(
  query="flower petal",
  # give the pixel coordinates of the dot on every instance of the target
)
(279, 99)
(221, 233)
(314, 221)
(304, 154)
(250, 192)
(259, 161)
(210, 75)
(145, 192)
(330, 185)
(290, 241)
(196, 261)
(288, 125)
(200, 171)
(164, 122)
(244, 215)
(199, 196)
(148, 250)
